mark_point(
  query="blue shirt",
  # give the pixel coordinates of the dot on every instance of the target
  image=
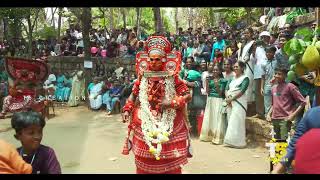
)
(217, 45)
(309, 121)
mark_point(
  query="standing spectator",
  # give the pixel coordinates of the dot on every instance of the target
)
(237, 107)
(268, 72)
(228, 73)
(246, 56)
(206, 52)
(204, 76)
(220, 44)
(235, 51)
(218, 59)
(309, 121)
(280, 55)
(287, 102)
(213, 126)
(122, 38)
(133, 42)
(78, 89)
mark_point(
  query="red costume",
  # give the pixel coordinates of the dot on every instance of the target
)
(158, 110)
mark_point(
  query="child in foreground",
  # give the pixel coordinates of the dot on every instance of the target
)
(29, 131)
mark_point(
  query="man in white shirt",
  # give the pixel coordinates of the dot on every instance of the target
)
(260, 59)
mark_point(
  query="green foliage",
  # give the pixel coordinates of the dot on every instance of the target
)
(147, 20)
(46, 33)
(305, 34)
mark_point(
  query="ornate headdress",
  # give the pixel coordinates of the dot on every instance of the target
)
(158, 45)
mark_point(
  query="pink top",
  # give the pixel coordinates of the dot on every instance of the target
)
(285, 97)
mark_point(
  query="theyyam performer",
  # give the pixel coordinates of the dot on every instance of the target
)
(156, 111)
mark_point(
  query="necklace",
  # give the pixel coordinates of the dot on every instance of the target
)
(34, 155)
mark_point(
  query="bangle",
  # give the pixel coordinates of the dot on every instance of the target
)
(129, 106)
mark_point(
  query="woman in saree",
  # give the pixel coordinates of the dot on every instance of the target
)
(246, 56)
(62, 92)
(236, 103)
(95, 91)
(77, 90)
(214, 126)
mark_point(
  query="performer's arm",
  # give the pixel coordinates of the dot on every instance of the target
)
(128, 107)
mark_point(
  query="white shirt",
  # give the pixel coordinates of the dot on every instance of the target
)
(260, 59)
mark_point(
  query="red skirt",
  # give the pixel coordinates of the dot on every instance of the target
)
(173, 155)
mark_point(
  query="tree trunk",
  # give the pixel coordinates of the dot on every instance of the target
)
(1, 29)
(86, 26)
(59, 24)
(5, 28)
(29, 33)
(176, 20)
(248, 11)
(111, 18)
(157, 20)
(138, 22)
(124, 18)
(191, 18)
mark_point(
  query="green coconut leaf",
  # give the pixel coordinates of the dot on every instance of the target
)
(293, 47)
(306, 34)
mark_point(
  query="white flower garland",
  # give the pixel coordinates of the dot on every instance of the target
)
(156, 130)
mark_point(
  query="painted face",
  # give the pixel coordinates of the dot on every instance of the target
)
(30, 137)
(155, 62)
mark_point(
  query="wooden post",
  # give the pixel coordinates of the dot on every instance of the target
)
(317, 13)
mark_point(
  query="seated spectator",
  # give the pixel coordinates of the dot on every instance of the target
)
(95, 93)
(62, 92)
(114, 95)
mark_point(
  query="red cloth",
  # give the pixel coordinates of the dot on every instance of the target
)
(200, 120)
(307, 157)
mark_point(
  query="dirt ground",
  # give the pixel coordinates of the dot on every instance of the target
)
(89, 142)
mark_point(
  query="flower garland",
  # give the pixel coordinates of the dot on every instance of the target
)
(156, 130)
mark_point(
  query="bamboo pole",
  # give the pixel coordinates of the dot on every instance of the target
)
(317, 14)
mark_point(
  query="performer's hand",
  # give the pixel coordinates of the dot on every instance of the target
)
(165, 104)
(126, 117)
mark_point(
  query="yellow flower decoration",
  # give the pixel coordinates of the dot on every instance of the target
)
(166, 134)
(152, 150)
(157, 158)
